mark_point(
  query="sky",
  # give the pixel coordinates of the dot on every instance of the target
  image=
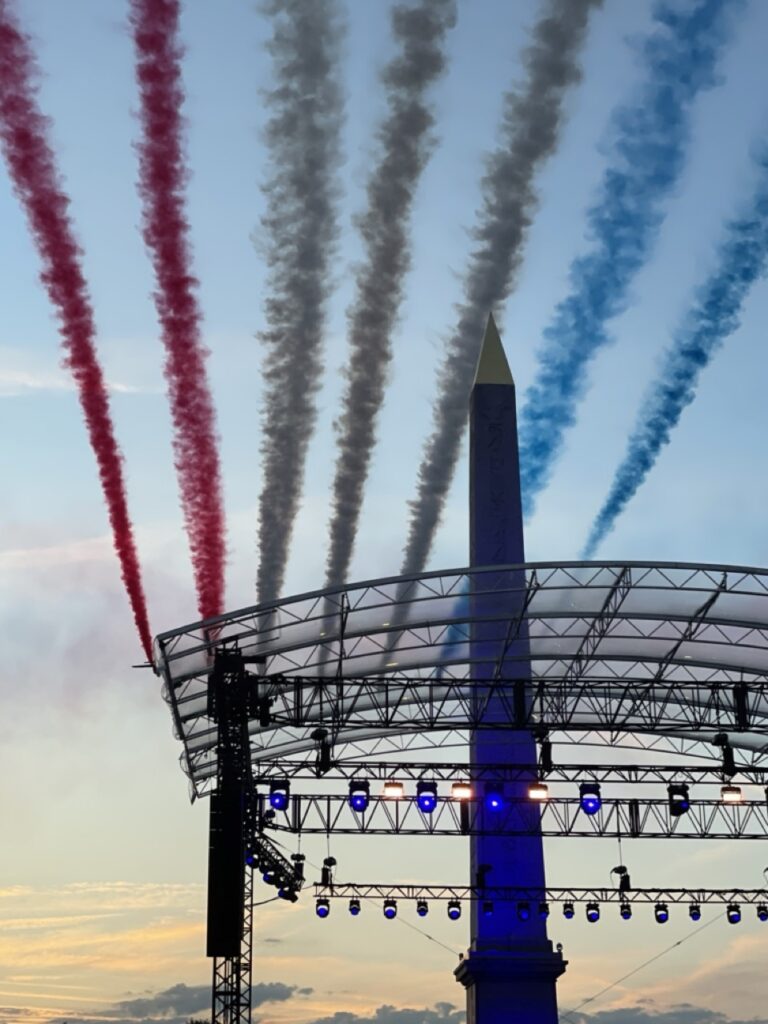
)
(103, 858)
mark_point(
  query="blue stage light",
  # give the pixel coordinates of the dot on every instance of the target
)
(544, 910)
(661, 913)
(494, 797)
(762, 912)
(626, 911)
(593, 912)
(322, 908)
(733, 913)
(589, 797)
(422, 909)
(694, 912)
(426, 796)
(568, 911)
(454, 910)
(354, 907)
(390, 909)
(279, 794)
(487, 908)
(524, 910)
(269, 877)
(359, 794)
(679, 801)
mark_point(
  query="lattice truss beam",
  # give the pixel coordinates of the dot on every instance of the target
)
(564, 817)
(378, 772)
(467, 893)
(612, 651)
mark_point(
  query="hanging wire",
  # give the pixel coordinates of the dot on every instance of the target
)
(591, 999)
(369, 899)
(263, 903)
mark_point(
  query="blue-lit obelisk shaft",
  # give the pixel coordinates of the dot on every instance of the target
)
(510, 970)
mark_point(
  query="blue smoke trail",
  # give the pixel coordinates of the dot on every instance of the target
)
(742, 258)
(649, 138)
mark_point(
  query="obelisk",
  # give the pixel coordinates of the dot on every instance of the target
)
(510, 969)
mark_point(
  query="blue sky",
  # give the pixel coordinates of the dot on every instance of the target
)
(103, 871)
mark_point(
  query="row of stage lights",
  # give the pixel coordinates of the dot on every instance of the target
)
(525, 911)
(427, 797)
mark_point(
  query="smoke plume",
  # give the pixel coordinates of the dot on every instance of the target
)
(649, 139)
(162, 176)
(742, 258)
(530, 131)
(405, 146)
(36, 182)
(300, 224)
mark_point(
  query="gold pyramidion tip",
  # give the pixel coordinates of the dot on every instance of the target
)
(492, 365)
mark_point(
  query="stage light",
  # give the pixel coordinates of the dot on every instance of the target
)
(422, 909)
(454, 910)
(568, 911)
(290, 895)
(354, 907)
(326, 872)
(426, 796)
(494, 796)
(393, 790)
(593, 912)
(524, 911)
(279, 794)
(679, 801)
(359, 794)
(762, 912)
(544, 910)
(731, 794)
(694, 912)
(487, 908)
(268, 877)
(390, 909)
(538, 791)
(589, 797)
(661, 913)
(733, 913)
(625, 909)
(461, 791)
(322, 908)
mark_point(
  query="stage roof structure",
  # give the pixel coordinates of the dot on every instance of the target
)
(664, 656)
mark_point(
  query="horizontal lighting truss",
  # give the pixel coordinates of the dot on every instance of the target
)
(380, 771)
(467, 893)
(411, 704)
(706, 819)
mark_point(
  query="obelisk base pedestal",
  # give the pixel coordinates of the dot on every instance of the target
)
(511, 986)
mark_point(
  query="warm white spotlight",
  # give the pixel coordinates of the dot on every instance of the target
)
(461, 791)
(731, 794)
(393, 789)
(538, 791)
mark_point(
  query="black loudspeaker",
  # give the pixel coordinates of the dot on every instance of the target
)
(226, 871)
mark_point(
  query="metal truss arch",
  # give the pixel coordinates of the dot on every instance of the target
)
(603, 638)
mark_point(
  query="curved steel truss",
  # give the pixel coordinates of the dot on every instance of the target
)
(675, 654)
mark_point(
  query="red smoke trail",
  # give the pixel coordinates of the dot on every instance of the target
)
(161, 185)
(23, 136)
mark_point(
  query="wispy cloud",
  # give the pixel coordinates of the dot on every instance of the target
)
(25, 372)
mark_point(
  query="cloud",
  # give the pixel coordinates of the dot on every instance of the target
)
(684, 1013)
(175, 1005)
(443, 1013)
(30, 371)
